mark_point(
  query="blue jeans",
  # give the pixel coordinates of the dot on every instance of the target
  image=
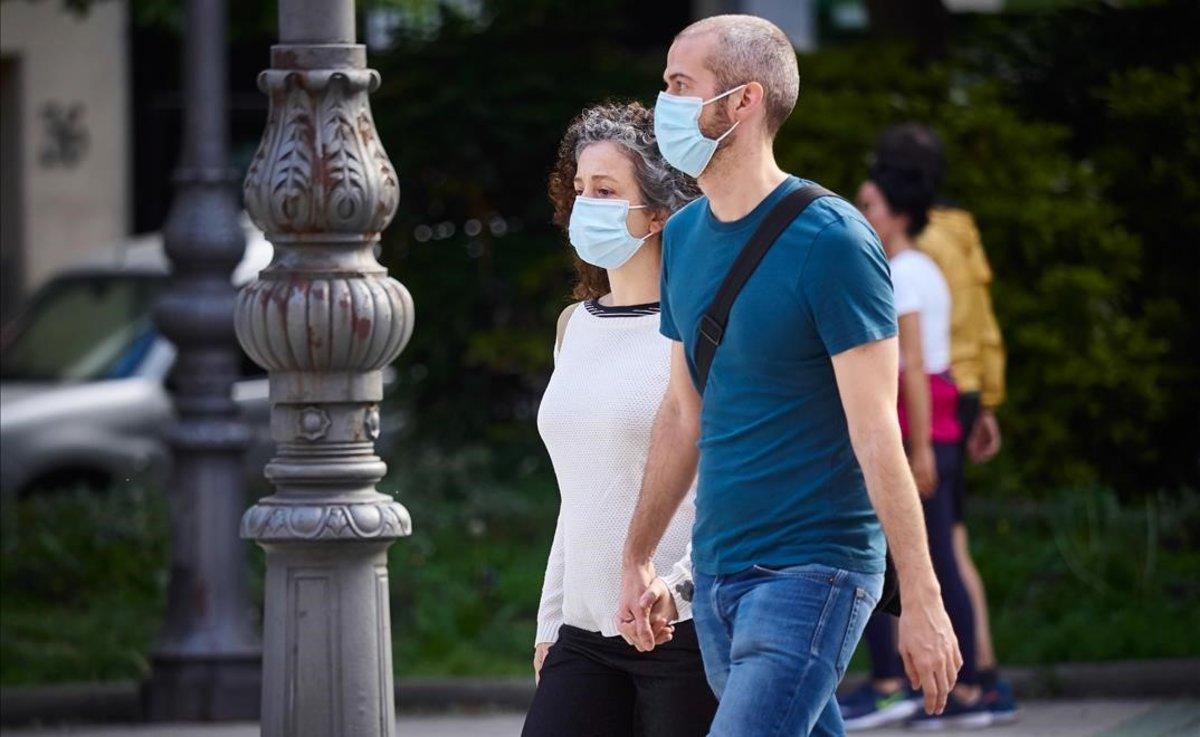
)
(776, 643)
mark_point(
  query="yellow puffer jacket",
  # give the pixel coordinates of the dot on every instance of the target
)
(976, 346)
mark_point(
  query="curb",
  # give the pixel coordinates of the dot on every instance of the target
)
(1127, 679)
(116, 701)
(120, 701)
(452, 694)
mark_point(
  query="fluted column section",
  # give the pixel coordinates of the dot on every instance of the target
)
(324, 318)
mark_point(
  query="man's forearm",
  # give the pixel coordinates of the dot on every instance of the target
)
(670, 470)
(894, 496)
(925, 637)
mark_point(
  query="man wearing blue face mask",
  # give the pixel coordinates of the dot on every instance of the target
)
(796, 440)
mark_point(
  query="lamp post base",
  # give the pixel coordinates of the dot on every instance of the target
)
(327, 645)
(192, 689)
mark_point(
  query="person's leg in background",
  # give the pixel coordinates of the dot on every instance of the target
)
(939, 524)
(968, 413)
(965, 707)
(885, 656)
(997, 693)
(579, 696)
(985, 653)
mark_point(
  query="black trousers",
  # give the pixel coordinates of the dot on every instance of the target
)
(968, 413)
(595, 686)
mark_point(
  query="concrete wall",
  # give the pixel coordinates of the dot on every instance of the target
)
(72, 168)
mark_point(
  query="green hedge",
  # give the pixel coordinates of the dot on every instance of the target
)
(1079, 576)
(1082, 225)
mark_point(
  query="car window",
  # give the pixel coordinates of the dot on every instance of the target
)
(84, 328)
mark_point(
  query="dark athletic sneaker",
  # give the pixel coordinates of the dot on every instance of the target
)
(956, 715)
(867, 708)
(1000, 701)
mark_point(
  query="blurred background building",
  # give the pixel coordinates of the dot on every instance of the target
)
(66, 139)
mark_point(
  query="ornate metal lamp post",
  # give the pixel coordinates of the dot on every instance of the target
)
(324, 319)
(207, 655)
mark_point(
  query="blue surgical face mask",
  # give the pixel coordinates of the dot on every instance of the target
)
(677, 128)
(599, 231)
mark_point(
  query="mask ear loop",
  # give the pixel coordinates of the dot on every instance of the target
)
(722, 136)
(726, 94)
(718, 97)
(631, 235)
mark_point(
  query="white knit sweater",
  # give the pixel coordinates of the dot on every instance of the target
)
(595, 418)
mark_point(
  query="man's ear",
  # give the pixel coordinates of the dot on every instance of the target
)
(747, 100)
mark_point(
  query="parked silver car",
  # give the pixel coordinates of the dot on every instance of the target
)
(83, 398)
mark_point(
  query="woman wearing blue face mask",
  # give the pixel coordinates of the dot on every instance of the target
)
(612, 192)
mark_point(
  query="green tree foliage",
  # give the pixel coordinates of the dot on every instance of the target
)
(472, 120)
(1151, 159)
(1090, 288)
(1086, 370)
(1123, 84)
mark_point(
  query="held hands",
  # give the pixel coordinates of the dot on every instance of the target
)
(930, 650)
(924, 469)
(645, 608)
(662, 611)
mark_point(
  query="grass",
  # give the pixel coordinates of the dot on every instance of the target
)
(1075, 576)
(1084, 577)
(1080, 576)
(83, 579)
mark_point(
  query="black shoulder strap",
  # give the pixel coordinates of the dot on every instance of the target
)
(716, 317)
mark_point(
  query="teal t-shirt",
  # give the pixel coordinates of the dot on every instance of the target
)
(779, 482)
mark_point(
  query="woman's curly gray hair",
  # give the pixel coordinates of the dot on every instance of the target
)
(631, 125)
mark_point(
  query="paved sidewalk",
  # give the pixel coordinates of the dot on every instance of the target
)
(1077, 718)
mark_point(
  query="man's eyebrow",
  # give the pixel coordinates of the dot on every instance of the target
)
(674, 75)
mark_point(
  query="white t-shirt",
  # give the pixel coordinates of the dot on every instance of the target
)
(919, 286)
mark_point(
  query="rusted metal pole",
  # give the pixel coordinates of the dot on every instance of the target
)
(207, 654)
(324, 318)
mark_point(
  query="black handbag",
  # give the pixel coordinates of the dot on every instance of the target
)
(711, 329)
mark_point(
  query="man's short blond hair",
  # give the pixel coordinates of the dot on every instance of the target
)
(752, 49)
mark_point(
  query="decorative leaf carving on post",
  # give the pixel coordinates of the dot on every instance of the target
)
(324, 319)
(344, 170)
(292, 189)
